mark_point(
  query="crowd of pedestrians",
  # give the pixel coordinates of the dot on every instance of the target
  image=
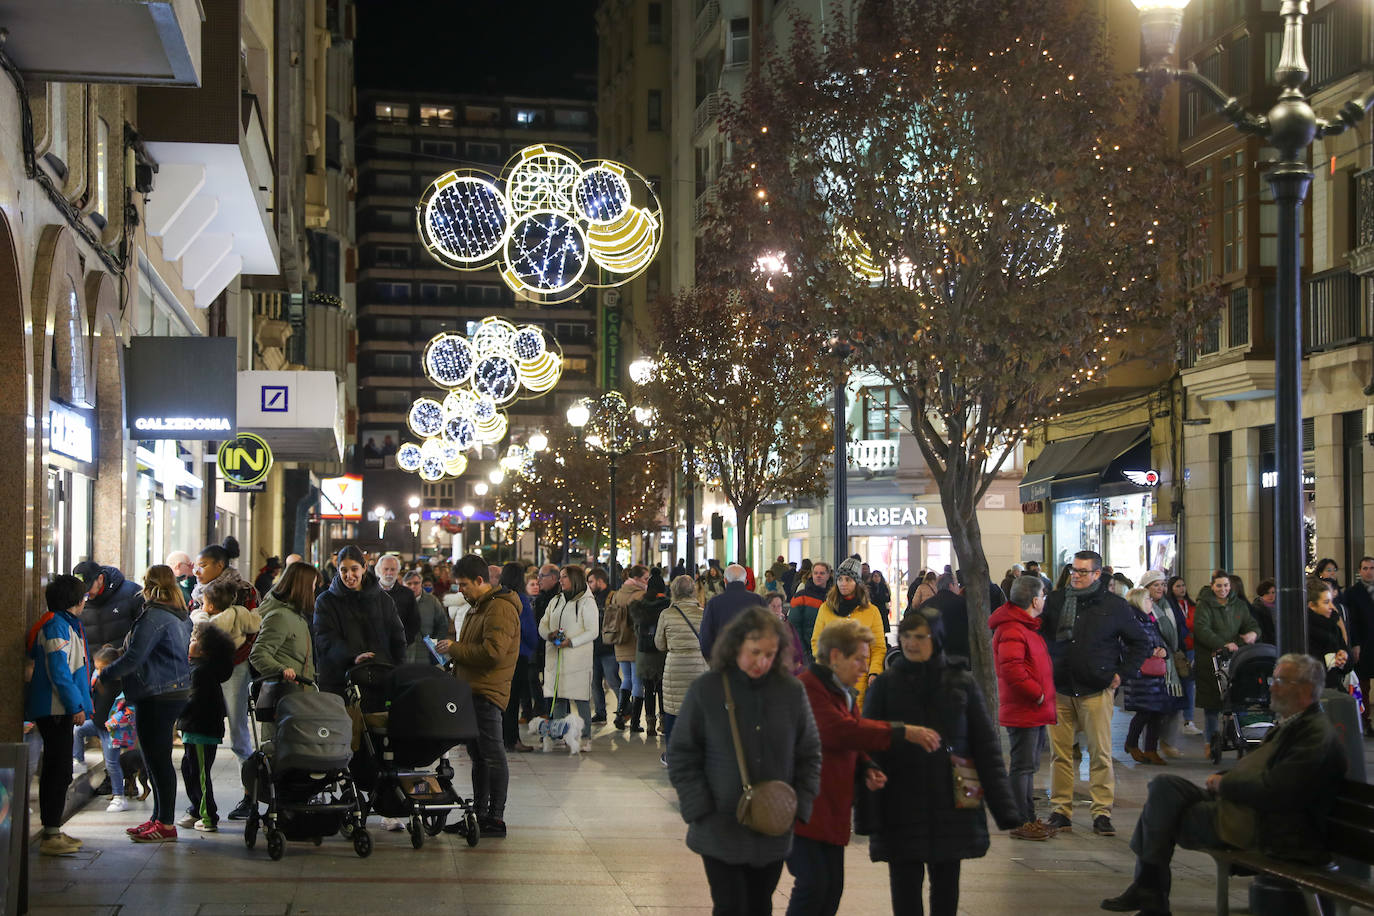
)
(836, 715)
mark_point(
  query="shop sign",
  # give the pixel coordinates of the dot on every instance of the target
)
(70, 433)
(175, 388)
(244, 460)
(1270, 479)
(342, 497)
(889, 516)
(799, 521)
(1148, 478)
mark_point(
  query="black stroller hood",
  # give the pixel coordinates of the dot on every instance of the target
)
(429, 705)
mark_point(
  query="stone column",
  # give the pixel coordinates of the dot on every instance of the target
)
(1330, 490)
(1199, 550)
(1245, 518)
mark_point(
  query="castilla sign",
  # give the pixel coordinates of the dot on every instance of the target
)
(889, 516)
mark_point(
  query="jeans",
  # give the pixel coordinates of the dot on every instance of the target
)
(490, 774)
(607, 675)
(92, 729)
(1026, 747)
(55, 774)
(519, 692)
(818, 868)
(236, 699)
(584, 709)
(1190, 688)
(154, 719)
(1176, 813)
(905, 880)
(628, 673)
(1092, 715)
(741, 890)
(1211, 724)
(668, 721)
(200, 791)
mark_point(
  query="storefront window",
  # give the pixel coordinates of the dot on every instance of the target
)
(1077, 526)
(1124, 523)
(939, 554)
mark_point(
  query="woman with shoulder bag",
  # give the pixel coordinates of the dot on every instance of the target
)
(679, 635)
(1150, 692)
(933, 804)
(744, 834)
(569, 624)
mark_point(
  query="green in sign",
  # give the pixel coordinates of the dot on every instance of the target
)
(244, 460)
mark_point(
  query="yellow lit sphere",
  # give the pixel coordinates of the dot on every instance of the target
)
(625, 246)
(541, 373)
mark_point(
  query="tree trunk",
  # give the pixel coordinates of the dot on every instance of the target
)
(742, 514)
(958, 494)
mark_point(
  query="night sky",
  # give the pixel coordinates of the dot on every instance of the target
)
(535, 47)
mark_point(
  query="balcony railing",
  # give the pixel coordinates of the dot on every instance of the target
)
(703, 204)
(1334, 313)
(707, 112)
(1364, 207)
(1335, 42)
(873, 454)
(708, 17)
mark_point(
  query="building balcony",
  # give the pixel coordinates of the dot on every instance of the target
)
(707, 19)
(703, 204)
(1362, 257)
(876, 455)
(707, 112)
(1334, 313)
(151, 42)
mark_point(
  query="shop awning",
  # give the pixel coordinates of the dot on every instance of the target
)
(1044, 467)
(1080, 463)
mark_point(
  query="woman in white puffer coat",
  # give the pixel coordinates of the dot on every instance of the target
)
(570, 624)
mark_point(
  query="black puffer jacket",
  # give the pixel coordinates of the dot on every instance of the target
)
(1105, 641)
(349, 623)
(919, 821)
(108, 616)
(205, 708)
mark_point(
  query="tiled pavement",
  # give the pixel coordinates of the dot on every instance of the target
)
(599, 834)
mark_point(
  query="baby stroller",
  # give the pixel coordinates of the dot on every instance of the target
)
(411, 715)
(302, 773)
(1243, 682)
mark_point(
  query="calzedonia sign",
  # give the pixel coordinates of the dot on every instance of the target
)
(181, 387)
(889, 517)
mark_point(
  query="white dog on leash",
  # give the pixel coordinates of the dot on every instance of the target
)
(569, 728)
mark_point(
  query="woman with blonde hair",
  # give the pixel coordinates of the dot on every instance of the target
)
(848, 599)
(157, 680)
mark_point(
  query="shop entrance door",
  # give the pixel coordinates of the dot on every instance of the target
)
(68, 508)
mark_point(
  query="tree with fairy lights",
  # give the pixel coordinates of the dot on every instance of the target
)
(733, 376)
(986, 205)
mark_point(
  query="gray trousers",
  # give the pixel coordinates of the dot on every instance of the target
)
(490, 774)
(1176, 813)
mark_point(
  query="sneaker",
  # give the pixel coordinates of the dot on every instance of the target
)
(57, 845)
(158, 833)
(244, 808)
(187, 820)
(146, 825)
(393, 824)
(1031, 830)
(491, 827)
(206, 826)
(1191, 729)
(117, 803)
(71, 839)
(663, 759)
(599, 720)
(1102, 826)
(1059, 822)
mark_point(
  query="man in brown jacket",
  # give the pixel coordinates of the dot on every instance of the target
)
(485, 653)
(618, 630)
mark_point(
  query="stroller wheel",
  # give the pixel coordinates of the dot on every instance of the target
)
(1216, 749)
(434, 823)
(250, 831)
(276, 844)
(362, 843)
(417, 832)
(347, 827)
(473, 831)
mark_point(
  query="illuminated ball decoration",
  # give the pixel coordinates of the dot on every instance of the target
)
(408, 457)
(553, 225)
(448, 360)
(462, 431)
(426, 417)
(1035, 239)
(528, 343)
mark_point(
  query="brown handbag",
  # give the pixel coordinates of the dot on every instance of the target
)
(968, 788)
(769, 808)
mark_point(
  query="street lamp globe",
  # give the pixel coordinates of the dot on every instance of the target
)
(538, 442)
(379, 512)
(467, 511)
(479, 488)
(579, 414)
(415, 502)
(641, 370)
(414, 517)
(1160, 24)
(496, 476)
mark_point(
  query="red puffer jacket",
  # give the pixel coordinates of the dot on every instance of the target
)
(1025, 675)
(844, 739)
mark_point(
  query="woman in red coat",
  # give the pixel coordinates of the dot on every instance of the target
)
(1025, 687)
(817, 858)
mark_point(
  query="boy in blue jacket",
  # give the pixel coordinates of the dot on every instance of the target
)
(59, 698)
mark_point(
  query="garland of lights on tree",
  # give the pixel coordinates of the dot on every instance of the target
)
(500, 363)
(552, 224)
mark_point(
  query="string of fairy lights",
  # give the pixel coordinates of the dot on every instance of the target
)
(552, 225)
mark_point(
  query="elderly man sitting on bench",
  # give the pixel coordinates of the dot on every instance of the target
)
(1275, 800)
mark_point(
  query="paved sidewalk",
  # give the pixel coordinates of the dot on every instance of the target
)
(599, 834)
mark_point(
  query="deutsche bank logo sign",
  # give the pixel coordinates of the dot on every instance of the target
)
(275, 398)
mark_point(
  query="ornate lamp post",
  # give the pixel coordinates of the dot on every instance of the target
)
(840, 349)
(1289, 127)
(612, 428)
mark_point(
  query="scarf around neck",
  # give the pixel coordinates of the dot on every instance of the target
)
(1070, 612)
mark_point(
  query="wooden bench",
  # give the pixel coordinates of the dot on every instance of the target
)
(1350, 832)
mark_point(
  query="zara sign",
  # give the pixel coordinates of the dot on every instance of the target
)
(889, 517)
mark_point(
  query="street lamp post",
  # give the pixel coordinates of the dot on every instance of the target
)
(414, 503)
(1290, 127)
(840, 349)
(612, 428)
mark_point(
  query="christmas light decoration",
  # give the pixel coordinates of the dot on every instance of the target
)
(448, 360)
(552, 227)
(426, 417)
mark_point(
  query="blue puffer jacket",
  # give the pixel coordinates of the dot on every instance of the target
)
(1142, 693)
(61, 685)
(154, 662)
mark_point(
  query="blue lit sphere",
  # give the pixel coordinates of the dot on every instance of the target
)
(461, 431)
(426, 417)
(528, 343)
(408, 457)
(496, 377)
(547, 253)
(601, 195)
(448, 360)
(466, 219)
